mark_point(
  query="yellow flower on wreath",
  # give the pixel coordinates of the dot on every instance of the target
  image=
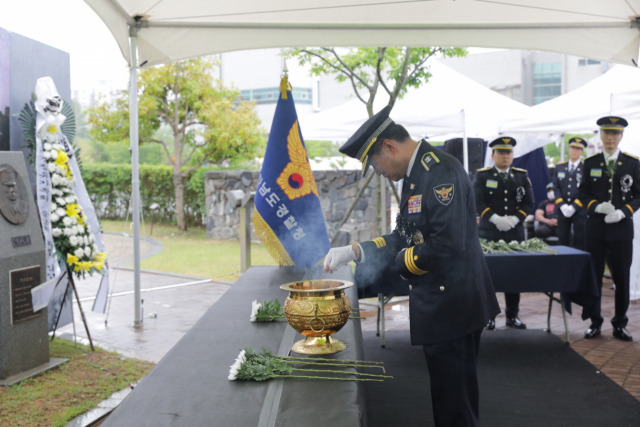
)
(63, 161)
(75, 211)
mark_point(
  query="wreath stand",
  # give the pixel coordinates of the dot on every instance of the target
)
(71, 283)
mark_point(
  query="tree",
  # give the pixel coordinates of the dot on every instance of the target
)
(395, 69)
(207, 121)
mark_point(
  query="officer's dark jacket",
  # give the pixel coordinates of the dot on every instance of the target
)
(566, 185)
(622, 191)
(494, 196)
(451, 291)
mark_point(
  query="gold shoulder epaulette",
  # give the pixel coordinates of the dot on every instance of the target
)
(484, 169)
(562, 163)
(519, 169)
(593, 155)
(630, 155)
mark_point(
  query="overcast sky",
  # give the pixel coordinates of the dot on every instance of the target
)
(71, 26)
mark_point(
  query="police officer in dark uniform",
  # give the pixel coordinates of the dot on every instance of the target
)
(610, 192)
(566, 183)
(435, 247)
(504, 199)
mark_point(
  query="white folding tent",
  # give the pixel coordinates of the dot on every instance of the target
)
(449, 105)
(157, 31)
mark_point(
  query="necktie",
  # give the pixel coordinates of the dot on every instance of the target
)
(503, 175)
(572, 167)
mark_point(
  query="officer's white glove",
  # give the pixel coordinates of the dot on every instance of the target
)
(613, 217)
(512, 220)
(605, 208)
(567, 210)
(500, 222)
(337, 257)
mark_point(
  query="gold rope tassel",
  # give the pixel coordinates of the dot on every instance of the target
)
(284, 87)
(270, 240)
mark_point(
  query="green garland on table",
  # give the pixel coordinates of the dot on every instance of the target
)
(534, 245)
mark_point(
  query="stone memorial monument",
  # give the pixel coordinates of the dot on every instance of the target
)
(24, 341)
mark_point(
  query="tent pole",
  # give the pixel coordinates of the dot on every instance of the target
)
(135, 172)
(465, 143)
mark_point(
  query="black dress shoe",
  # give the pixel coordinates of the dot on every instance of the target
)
(491, 325)
(622, 334)
(514, 322)
(593, 331)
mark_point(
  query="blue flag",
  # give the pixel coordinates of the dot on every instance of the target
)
(288, 217)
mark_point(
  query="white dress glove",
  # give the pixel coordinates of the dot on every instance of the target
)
(500, 222)
(613, 217)
(605, 208)
(512, 220)
(337, 257)
(567, 210)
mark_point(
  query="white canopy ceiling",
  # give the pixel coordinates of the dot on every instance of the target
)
(177, 29)
(447, 106)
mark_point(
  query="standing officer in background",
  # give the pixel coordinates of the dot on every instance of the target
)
(610, 192)
(504, 199)
(566, 182)
(435, 247)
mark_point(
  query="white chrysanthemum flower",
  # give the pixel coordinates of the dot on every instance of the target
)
(87, 251)
(85, 238)
(67, 222)
(56, 232)
(53, 207)
(255, 306)
(54, 154)
(46, 155)
(79, 252)
(61, 201)
(70, 199)
(51, 167)
(80, 228)
(67, 231)
(92, 238)
(235, 368)
(73, 240)
(47, 146)
(54, 217)
(60, 212)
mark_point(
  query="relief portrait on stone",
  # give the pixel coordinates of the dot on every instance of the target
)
(14, 206)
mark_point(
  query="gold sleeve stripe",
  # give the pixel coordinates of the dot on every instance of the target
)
(410, 263)
(578, 202)
(484, 212)
(523, 212)
(380, 242)
(590, 203)
(630, 209)
(560, 200)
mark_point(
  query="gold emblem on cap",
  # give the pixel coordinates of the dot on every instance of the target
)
(613, 120)
(506, 140)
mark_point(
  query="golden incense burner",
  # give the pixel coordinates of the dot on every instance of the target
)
(317, 309)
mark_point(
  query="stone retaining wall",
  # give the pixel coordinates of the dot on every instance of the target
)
(337, 190)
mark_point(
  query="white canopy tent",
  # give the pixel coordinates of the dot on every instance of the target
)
(449, 105)
(615, 92)
(157, 31)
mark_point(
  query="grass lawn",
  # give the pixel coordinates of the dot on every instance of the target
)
(57, 396)
(191, 252)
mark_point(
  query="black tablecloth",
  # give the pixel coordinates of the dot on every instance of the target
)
(569, 271)
(189, 386)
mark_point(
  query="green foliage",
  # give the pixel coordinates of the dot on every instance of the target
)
(110, 189)
(553, 152)
(395, 69)
(321, 149)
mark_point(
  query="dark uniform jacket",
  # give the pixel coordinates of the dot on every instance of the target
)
(451, 294)
(566, 185)
(622, 191)
(494, 196)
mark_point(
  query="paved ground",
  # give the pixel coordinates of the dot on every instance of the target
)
(172, 304)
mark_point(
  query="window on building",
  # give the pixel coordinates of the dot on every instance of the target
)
(270, 95)
(547, 81)
(585, 62)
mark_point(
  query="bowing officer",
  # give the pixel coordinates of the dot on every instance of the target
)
(610, 192)
(566, 183)
(434, 247)
(504, 199)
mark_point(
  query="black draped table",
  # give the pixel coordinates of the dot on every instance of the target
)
(569, 272)
(190, 386)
